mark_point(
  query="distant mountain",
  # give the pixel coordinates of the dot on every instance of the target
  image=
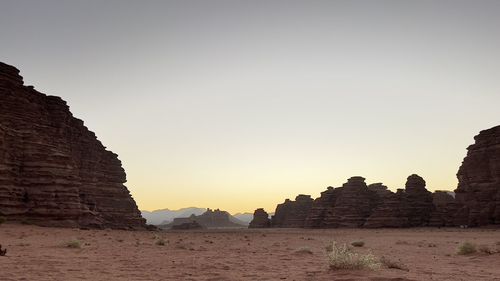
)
(246, 218)
(166, 216)
(209, 219)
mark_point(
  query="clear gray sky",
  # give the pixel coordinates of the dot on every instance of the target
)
(241, 104)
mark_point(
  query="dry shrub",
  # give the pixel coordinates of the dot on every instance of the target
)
(393, 264)
(466, 248)
(342, 257)
(2, 220)
(74, 244)
(485, 250)
(161, 242)
(303, 250)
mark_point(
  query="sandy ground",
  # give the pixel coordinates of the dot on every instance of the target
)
(36, 253)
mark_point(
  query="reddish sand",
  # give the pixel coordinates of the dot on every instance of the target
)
(36, 253)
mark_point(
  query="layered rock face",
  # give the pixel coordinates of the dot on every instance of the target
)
(478, 190)
(260, 219)
(476, 201)
(53, 170)
(417, 202)
(292, 213)
(445, 209)
(352, 205)
(357, 205)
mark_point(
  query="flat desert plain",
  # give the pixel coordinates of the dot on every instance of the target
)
(38, 253)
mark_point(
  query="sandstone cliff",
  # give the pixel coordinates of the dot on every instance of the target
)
(355, 204)
(478, 191)
(53, 170)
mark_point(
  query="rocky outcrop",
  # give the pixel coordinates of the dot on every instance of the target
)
(321, 208)
(260, 219)
(357, 205)
(352, 206)
(387, 212)
(292, 213)
(187, 226)
(445, 209)
(209, 219)
(417, 202)
(478, 191)
(53, 170)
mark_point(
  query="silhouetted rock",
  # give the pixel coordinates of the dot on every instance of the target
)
(321, 208)
(53, 170)
(188, 225)
(445, 209)
(388, 211)
(292, 213)
(209, 219)
(260, 219)
(353, 204)
(478, 190)
(417, 203)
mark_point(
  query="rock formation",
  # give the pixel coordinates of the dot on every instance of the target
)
(476, 201)
(417, 202)
(53, 170)
(260, 219)
(292, 213)
(209, 219)
(387, 212)
(187, 226)
(445, 209)
(357, 205)
(321, 208)
(478, 190)
(352, 205)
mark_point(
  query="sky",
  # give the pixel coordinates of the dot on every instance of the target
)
(241, 104)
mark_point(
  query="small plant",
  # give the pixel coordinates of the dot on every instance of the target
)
(2, 220)
(393, 264)
(303, 250)
(161, 242)
(358, 243)
(466, 248)
(342, 257)
(74, 244)
(485, 250)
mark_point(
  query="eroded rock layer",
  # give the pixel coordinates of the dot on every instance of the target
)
(355, 204)
(292, 213)
(478, 190)
(53, 170)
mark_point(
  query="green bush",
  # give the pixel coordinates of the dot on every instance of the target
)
(2, 220)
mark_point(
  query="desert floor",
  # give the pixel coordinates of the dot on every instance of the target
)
(37, 253)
